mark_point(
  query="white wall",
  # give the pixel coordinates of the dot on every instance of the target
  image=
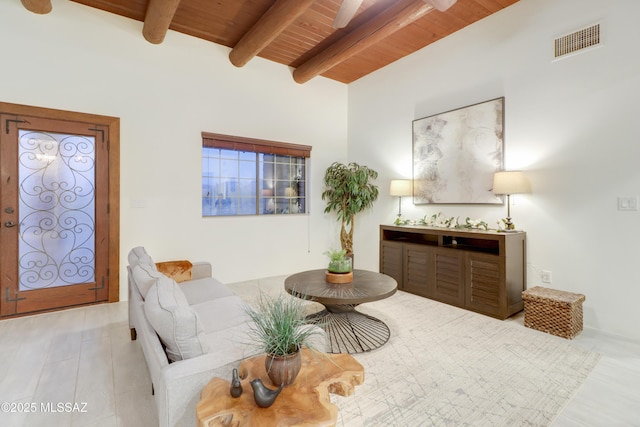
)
(82, 59)
(572, 125)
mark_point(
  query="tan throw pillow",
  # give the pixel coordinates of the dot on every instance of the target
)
(180, 271)
(177, 325)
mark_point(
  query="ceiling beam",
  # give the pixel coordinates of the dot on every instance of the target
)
(275, 20)
(37, 6)
(158, 19)
(396, 17)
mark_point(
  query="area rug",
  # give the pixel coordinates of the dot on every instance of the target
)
(444, 366)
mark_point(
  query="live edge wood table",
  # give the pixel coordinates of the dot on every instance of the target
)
(305, 402)
(348, 330)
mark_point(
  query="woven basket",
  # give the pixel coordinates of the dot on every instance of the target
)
(553, 311)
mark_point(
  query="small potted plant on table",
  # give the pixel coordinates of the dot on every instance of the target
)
(340, 269)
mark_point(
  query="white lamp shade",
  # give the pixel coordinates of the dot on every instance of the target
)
(400, 187)
(510, 182)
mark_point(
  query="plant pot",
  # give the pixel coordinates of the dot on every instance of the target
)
(283, 369)
(339, 278)
(340, 266)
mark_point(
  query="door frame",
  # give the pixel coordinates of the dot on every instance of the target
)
(113, 123)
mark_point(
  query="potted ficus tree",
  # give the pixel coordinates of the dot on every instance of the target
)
(349, 190)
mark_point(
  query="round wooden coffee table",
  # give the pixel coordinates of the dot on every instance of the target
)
(348, 330)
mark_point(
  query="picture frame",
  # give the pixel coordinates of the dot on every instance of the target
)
(456, 153)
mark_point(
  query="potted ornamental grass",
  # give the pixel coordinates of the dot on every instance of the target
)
(279, 328)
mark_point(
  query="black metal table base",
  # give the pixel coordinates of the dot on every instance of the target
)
(351, 331)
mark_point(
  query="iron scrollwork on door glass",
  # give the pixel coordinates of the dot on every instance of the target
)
(57, 209)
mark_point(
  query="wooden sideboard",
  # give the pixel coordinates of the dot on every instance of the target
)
(482, 271)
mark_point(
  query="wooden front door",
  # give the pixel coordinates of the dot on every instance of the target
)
(54, 213)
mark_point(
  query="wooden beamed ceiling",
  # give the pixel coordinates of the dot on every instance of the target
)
(299, 33)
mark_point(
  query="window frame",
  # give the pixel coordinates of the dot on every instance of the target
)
(265, 147)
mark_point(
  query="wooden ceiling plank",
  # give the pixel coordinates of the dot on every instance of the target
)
(426, 30)
(288, 46)
(490, 5)
(394, 18)
(158, 19)
(225, 22)
(133, 9)
(269, 26)
(37, 6)
(221, 21)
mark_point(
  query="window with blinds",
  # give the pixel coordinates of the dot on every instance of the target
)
(244, 176)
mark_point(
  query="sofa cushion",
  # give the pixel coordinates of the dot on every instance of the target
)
(139, 255)
(232, 344)
(206, 289)
(221, 313)
(144, 277)
(178, 325)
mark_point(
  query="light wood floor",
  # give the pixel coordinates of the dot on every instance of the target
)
(79, 368)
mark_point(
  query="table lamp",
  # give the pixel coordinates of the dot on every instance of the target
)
(510, 182)
(399, 188)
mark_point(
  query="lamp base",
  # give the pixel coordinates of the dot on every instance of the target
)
(509, 226)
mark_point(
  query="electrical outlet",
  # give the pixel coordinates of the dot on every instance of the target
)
(627, 203)
(546, 276)
(138, 203)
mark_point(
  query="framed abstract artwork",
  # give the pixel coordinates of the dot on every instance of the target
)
(456, 153)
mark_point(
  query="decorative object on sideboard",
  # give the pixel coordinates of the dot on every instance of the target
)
(399, 188)
(456, 153)
(442, 221)
(508, 183)
(349, 190)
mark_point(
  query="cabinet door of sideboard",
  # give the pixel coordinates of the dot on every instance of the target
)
(391, 261)
(449, 276)
(485, 284)
(418, 269)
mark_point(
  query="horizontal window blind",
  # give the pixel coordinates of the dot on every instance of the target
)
(238, 143)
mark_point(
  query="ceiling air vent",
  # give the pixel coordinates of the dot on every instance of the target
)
(577, 41)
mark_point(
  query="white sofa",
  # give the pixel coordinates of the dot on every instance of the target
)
(209, 334)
